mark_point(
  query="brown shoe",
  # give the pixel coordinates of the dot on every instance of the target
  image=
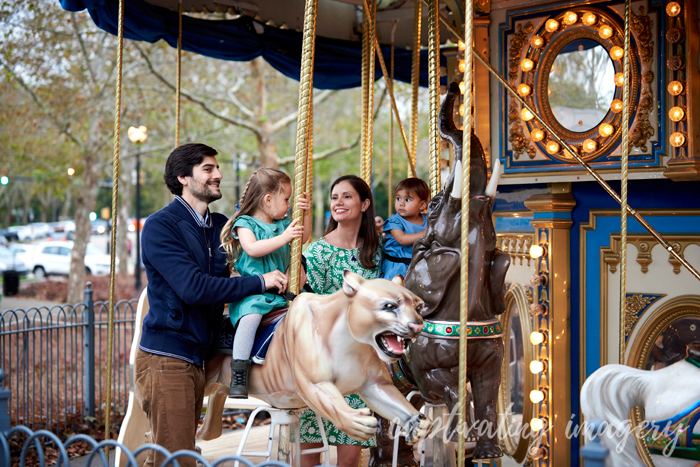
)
(240, 372)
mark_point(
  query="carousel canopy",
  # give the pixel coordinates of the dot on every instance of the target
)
(337, 64)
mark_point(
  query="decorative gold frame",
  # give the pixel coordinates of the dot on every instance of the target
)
(518, 295)
(684, 306)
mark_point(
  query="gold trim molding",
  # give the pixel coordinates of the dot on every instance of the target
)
(517, 245)
(644, 244)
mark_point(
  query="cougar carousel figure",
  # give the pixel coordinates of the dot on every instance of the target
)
(432, 361)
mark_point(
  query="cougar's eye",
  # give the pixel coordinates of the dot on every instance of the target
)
(390, 307)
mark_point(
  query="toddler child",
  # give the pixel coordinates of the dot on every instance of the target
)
(256, 240)
(405, 227)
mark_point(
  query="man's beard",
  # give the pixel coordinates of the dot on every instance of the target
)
(203, 193)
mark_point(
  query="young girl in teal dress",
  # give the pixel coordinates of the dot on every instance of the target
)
(256, 240)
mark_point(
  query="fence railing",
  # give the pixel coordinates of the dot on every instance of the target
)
(55, 361)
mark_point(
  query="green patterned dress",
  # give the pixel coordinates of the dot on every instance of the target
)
(325, 265)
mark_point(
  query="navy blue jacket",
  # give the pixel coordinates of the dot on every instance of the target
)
(187, 286)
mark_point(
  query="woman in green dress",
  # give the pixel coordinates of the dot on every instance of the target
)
(351, 242)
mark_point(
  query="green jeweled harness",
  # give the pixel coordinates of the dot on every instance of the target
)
(450, 329)
(676, 432)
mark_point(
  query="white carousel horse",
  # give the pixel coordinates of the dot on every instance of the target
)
(671, 401)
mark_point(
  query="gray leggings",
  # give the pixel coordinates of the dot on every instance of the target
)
(245, 336)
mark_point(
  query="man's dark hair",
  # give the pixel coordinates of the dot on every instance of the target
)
(181, 161)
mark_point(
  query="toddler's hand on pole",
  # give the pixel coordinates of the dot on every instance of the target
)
(303, 202)
(293, 231)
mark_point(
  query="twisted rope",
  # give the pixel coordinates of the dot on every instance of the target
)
(115, 209)
(434, 87)
(304, 129)
(415, 82)
(464, 266)
(179, 76)
(371, 63)
(365, 74)
(390, 198)
(624, 165)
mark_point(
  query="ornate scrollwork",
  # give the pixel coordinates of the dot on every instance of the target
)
(642, 25)
(635, 305)
(644, 245)
(520, 143)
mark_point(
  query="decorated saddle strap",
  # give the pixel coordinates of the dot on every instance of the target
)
(475, 329)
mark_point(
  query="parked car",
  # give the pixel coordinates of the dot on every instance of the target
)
(23, 252)
(24, 232)
(99, 226)
(40, 229)
(9, 235)
(10, 262)
(54, 258)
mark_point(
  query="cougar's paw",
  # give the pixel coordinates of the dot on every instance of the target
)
(361, 425)
(417, 428)
(486, 449)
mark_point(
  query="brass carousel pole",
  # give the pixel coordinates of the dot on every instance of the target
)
(369, 110)
(179, 75)
(434, 86)
(304, 129)
(365, 71)
(623, 180)
(391, 129)
(415, 84)
(115, 209)
(464, 266)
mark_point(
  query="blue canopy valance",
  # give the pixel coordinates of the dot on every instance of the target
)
(337, 63)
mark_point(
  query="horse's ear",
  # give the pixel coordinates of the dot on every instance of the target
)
(351, 283)
(398, 280)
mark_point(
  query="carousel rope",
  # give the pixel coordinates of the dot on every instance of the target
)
(304, 128)
(623, 180)
(371, 63)
(309, 184)
(415, 82)
(434, 87)
(364, 74)
(391, 127)
(179, 75)
(115, 208)
(464, 266)
(638, 217)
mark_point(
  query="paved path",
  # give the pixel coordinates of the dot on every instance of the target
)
(13, 303)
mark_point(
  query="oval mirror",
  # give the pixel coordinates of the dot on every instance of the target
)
(581, 85)
(670, 346)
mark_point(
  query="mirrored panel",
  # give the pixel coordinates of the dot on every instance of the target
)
(516, 369)
(670, 346)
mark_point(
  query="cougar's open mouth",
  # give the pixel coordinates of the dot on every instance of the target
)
(392, 344)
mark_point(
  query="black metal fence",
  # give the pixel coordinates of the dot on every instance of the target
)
(55, 361)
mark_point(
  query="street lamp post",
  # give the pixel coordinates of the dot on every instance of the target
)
(138, 136)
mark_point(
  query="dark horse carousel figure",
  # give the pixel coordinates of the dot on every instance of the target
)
(432, 361)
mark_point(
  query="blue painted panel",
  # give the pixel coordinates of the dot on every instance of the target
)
(514, 224)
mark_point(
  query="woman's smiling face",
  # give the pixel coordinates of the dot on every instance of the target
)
(346, 204)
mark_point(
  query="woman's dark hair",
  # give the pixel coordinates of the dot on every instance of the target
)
(368, 233)
(181, 161)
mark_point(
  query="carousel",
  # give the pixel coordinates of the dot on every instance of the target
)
(558, 283)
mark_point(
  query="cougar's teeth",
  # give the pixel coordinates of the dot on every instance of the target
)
(400, 339)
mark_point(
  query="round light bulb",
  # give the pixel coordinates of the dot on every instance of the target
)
(589, 19)
(524, 89)
(536, 367)
(536, 251)
(526, 115)
(536, 396)
(462, 66)
(461, 45)
(70, 171)
(527, 65)
(536, 424)
(537, 135)
(536, 41)
(677, 139)
(606, 129)
(605, 31)
(570, 18)
(675, 88)
(462, 87)
(676, 114)
(552, 147)
(461, 110)
(619, 79)
(616, 106)
(616, 53)
(673, 9)
(551, 25)
(590, 145)
(536, 338)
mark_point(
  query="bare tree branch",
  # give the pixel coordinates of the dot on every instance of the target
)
(292, 117)
(234, 121)
(88, 62)
(234, 100)
(343, 147)
(62, 127)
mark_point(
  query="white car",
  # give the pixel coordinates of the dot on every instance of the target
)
(9, 261)
(54, 258)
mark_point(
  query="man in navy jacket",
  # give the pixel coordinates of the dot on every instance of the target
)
(188, 283)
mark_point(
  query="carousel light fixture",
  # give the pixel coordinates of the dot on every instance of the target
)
(606, 129)
(537, 367)
(524, 89)
(461, 66)
(461, 110)
(551, 25)
(675, 88)
(552, 147)
(673, 9)
(616, 53)
(605, 31)
(677, 139)
(537, 135)
(526, 115)
(676, 114)
(461, 45)
(536, 41)
(538, 452)
(536, 338)
(619, 79)
(536, 251)
(590, 145)
(616, 106)
(462, 87)
(589, 19)
(537, 424)
(570, 18)
(537, 309)
(536, 396)
(527, 65)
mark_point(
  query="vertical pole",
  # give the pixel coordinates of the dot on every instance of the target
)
(623, 181)
(137, 270)
(179, 74)
(434, 88)
(89, 320)
(415, 82)
(4, 416)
